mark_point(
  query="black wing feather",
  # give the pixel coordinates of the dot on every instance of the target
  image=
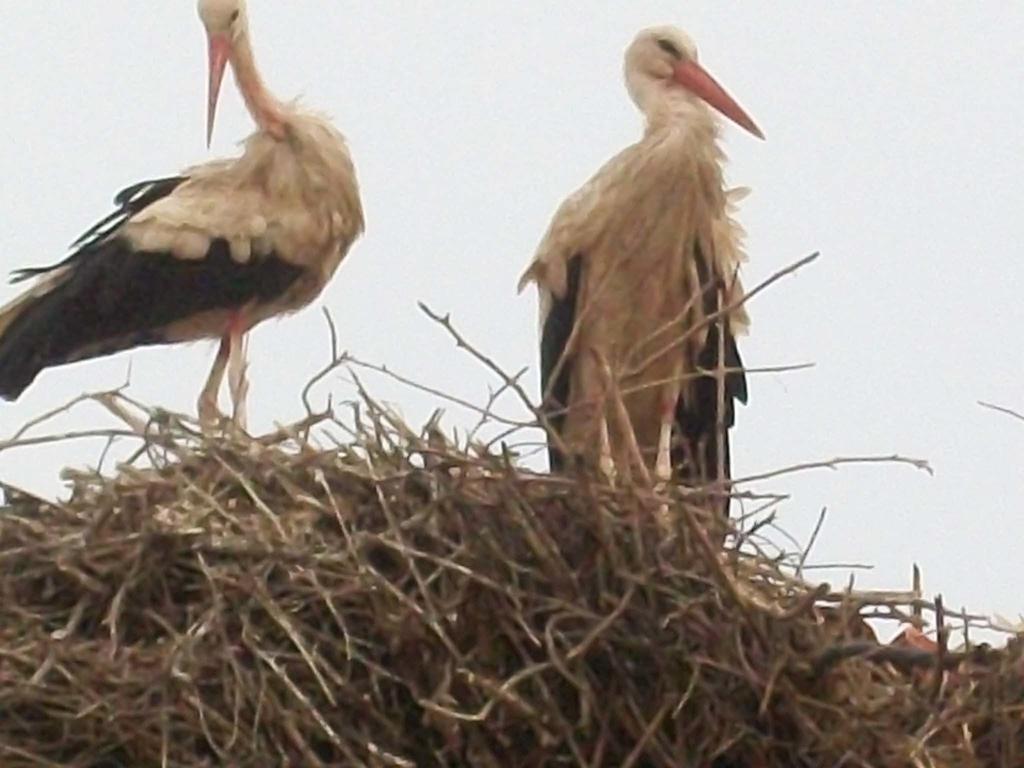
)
(114, 297)
(695, 439)
(554, 338)
(118, 299)
(696, 426)
(129, 201)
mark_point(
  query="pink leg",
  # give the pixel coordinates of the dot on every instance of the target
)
(605, 461)
(209, 414)
(663, 465)
(237, 381)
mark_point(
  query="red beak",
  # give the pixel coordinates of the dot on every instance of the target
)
(220, 52)
(695, 79)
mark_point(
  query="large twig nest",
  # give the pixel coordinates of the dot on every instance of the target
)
(398, 602)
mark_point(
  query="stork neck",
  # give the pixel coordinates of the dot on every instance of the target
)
(679, 111)
(264, 107)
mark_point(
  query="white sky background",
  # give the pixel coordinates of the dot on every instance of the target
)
(894, 148)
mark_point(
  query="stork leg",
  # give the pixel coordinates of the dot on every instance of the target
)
(209, 414)
(668, 401)
(663, 465)
(238, 382)
(605, 461)
(624, 426)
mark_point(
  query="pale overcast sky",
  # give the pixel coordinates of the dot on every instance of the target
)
(894, 147)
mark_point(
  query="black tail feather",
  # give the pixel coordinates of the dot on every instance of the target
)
(555, 378)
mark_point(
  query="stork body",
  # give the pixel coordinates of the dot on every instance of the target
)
(208, 253)
(636, 275)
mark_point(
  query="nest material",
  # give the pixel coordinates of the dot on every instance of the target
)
(394, 602)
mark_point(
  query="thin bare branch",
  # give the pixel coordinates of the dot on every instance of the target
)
(1001, 409)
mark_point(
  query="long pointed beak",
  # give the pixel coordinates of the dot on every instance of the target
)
(220, 52)
(696, 79)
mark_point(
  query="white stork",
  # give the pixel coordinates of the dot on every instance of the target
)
(208, 253)
(637, 276)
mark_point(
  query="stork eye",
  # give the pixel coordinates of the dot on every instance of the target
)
(670, 48)
(234, 16)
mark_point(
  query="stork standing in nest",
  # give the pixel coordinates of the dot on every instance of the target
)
(639, 293)
(205, 254)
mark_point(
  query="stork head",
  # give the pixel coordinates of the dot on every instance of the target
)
(226, 23)
(662, 62)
